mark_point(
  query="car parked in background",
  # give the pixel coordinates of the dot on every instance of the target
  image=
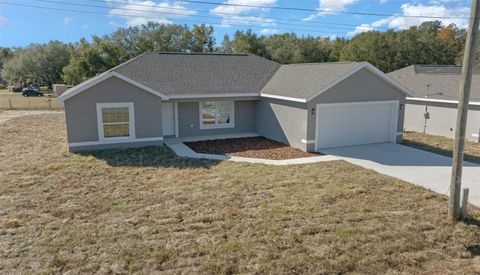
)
(31, 92)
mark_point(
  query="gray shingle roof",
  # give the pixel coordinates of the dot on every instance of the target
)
(442, 79)
(183, 74)
(304, 80)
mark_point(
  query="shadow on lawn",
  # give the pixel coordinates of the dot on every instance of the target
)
(441, 151)
(151, 156)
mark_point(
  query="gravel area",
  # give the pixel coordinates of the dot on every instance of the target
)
(253, 147)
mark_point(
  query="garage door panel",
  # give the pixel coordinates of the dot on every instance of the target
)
(354, 124)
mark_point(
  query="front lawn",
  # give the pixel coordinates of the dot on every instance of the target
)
(146, 210)
(441, 145)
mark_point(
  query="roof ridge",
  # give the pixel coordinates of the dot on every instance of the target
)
(199, 53)
(323, 63)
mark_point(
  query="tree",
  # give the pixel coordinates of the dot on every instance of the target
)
(247, 42)
(374, 47)
(202, 39)
(38, 64)
(5, 55)
(88, 60)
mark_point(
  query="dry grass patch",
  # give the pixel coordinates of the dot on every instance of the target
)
(146, 210)
(441, 145)
(15, 101)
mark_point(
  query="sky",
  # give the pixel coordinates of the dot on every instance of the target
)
(23, 22)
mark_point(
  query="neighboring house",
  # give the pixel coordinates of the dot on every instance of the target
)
(177, 96)
(433, 107)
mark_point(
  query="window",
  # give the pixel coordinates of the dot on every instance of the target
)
(115, 121)
(216, 114)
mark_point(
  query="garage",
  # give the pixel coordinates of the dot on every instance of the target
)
(355, 123)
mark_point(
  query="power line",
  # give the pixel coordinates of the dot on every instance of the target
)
(150, 17)
(227, 13)
(249, 20)
(317, 10)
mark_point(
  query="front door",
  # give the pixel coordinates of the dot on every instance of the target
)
(168, 119)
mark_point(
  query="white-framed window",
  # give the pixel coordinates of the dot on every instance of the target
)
(116, 121)
(216, 114)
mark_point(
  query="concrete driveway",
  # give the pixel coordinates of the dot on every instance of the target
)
(419, 167)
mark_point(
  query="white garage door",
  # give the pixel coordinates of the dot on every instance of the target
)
(345, 124)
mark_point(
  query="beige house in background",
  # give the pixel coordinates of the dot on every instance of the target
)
(433, 108)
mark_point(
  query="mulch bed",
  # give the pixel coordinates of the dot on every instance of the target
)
(252, 147)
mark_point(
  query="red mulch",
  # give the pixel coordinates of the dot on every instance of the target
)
(253, 147)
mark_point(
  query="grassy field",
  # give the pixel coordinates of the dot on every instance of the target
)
(440, 145)
(146, 210)
(16, 101)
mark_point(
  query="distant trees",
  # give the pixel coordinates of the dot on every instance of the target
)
(429, 43)
(37, 63)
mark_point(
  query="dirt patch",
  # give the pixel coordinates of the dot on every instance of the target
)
(252, 147)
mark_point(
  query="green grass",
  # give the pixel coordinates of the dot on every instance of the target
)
(16, 101)
(441, 145)
(148, 211)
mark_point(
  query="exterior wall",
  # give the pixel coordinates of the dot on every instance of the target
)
(442, 119)
(283, 121)
(361, 86)
(81, 110)
(189, 119)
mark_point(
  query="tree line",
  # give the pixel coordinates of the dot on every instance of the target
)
(72, 63)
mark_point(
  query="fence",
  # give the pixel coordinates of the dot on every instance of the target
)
(29, 103)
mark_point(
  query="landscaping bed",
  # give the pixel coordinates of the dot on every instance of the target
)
(252, 147)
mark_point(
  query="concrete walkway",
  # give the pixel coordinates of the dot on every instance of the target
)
(419, 167)
(184, 151)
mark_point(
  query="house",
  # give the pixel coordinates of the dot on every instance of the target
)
(433, 107)
(158, 97)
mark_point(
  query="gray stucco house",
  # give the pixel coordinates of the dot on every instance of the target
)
(157, 97)
(433, 107)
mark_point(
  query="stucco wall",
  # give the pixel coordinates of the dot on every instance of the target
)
(81, 110)
(189, 120)
(281, 120)
(361, 86)
(442, 119)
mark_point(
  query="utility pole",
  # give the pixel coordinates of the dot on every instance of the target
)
(465, 84)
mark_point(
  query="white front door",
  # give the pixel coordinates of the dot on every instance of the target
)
(168, 119)
(345, 124)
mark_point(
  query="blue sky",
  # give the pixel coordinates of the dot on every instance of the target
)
(21, 25)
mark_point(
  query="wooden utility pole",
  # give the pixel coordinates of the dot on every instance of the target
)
(465, 84)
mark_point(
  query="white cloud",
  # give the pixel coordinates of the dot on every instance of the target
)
(329, 5)
(269, 31)
(239, 15)
(335, 5)
(396, 22)
(383, 2)
(138, 12)
(3, 21)
(85, 26)
(360, 29)
(67, 20)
